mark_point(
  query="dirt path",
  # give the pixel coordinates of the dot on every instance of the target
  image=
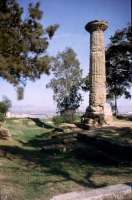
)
(121, 123)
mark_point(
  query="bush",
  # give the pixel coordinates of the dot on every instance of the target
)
(5, 104)
(66, 118)
(2, 117)
(58, 120)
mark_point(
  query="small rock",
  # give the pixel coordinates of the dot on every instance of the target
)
(4, 134)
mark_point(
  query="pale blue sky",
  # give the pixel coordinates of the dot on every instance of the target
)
(71, 15)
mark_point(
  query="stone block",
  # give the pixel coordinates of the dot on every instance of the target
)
(4, 134)
(115, 192)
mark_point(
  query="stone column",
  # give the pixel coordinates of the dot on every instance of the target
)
(97, 113)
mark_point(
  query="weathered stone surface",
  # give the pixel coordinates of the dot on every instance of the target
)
(97, 112)
(70, 127)
(115, 192)
(4, 134)
(66, 125)
(108, 114)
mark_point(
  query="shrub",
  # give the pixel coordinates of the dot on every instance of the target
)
(58, 120)
(5, 104)
(66, 118)
(2, 117)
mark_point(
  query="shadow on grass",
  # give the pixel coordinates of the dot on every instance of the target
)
(123, 134)
(125, 117)
(54, 164)
(88, 153)
(45, 139)
(114, 142)
(42, 124)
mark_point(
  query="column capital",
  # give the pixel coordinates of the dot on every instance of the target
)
(96, 25)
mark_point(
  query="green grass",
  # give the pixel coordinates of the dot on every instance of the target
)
(40, 175)
(23, 129)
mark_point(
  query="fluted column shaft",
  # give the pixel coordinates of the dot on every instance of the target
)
(97, 70)
(98, 112)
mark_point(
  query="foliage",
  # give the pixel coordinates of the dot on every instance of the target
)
(58, 120)
(2, 117)
(119, 65)
(23, 42)
(66, 80)
(85, 85)
(71, 101)
(20, 93)
(5, 104)
(64, 118)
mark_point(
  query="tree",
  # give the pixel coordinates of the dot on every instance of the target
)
(23, 42)
(70, 103)
(85, 84)
(119, 66)
(66, 81)
(5, 104)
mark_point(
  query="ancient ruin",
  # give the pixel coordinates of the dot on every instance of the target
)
(98, 111)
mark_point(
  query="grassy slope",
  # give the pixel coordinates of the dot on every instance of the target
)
(40, 175)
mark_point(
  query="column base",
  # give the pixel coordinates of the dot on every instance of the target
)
(96, 117)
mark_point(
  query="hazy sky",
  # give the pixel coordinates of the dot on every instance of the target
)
(71, 15)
